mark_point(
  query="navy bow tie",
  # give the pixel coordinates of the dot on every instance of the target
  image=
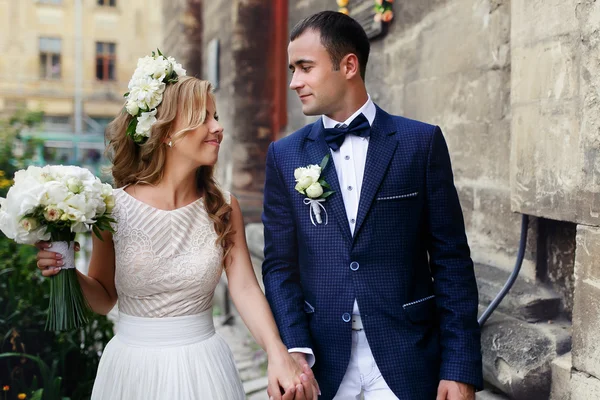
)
(335, 136)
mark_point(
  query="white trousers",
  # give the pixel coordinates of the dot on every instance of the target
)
(362, 376)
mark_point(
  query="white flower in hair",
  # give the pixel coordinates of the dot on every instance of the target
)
(147, 93)
(145, 122)
(146, 88)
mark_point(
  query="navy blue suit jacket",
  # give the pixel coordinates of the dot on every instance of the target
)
(412, 278)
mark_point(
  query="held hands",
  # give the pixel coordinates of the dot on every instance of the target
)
(290, 373)
(48, 261)
(451, 390)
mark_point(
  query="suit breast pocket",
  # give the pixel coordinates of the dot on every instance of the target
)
(405, 194)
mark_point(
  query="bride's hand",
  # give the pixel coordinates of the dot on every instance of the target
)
(48, 261)
(284, 373)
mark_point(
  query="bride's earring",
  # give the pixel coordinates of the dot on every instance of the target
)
(170, 143)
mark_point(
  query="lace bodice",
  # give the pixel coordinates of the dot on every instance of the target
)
(167, 262)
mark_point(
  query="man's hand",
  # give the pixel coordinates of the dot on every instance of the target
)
(451, 390)
(309, 389)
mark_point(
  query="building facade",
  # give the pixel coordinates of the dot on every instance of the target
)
(73, 59)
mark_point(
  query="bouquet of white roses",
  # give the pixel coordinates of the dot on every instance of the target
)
(54, 203)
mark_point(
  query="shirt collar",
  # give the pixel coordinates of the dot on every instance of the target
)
(368, 109)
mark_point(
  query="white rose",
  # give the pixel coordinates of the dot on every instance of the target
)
(299, 173)
(52, 213)
(29, 224)
(313, 171)
(305, 182)
(314, 191)
(145, 122)
(305, 177)
(132, 108)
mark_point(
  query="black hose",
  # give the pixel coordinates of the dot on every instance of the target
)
(513, 276)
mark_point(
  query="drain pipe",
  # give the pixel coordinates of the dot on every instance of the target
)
(513, 276)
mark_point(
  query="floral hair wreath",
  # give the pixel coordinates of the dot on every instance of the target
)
(383, 9)
(146, 88)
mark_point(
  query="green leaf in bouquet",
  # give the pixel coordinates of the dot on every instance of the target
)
(97, 233)
(326, 194)
(68, 308)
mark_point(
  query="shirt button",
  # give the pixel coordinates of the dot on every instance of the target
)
(347, 157)
(349, 187)
(352, 221)
(354, 266)
(346, 317)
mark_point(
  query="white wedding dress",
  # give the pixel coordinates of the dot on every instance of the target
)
(165, 347)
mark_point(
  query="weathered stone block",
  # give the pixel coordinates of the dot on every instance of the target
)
(558, 16)
(547, 70)
(517, 355)
(561, 378)
(586, 321)
(545, 160)
(584, 387)
(587, 262)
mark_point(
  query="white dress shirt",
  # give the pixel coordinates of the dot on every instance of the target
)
(349, 161)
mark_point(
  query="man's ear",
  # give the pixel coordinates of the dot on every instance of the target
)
(349, 66)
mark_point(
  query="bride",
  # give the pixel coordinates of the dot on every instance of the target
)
(175, 232)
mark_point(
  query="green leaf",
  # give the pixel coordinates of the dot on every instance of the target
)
(324, 162)
(327, 194)
(126, 94)
(324, 184)
(131, 127)
(38, 394)
(97, 232)
(159, 53)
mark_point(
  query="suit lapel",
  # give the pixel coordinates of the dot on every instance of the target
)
(316, 149)
(382, 146)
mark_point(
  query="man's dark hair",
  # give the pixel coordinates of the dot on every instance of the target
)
(340, 35)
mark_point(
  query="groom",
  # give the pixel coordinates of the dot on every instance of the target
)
(380, 296)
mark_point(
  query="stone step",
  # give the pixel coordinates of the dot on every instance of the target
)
(528, 301)
(255, 385)
(261, 395)
(517, 355)
(489, 395)
(561, 378)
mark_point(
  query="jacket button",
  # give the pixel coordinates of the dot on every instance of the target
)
(354, 266)
(346, 317)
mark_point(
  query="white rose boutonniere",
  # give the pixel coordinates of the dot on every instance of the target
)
(310, 183)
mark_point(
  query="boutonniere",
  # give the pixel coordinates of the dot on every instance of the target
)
(310, 184)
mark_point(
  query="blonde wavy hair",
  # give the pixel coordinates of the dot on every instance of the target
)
(184, 102)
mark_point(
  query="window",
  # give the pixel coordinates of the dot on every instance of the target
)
(57, 123)
(50, 58)
(96, 124)
(105, 61)
(108, 3)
